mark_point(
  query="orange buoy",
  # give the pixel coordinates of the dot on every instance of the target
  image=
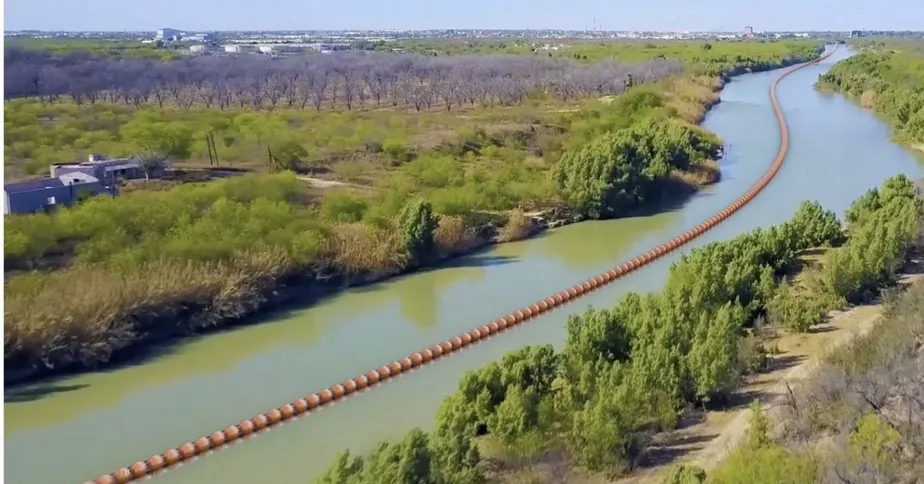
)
(171, 456)
(273, 417)
(187, 450)
(156, 462)
(260, 422)
(202, 444)
(233, 433)
(217, 439)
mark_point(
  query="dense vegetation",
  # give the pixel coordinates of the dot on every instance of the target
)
(108, 273)
(858, 419)
(630, 371)
(370, 102)
(97, 48)
(889, 80)
(700, 57)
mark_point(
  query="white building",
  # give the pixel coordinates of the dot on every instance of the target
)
(198, 49)
(233, 49)
(265, 49)
(168, 34)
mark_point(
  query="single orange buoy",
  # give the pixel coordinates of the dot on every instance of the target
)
(138, 470)
(273, 417)
(217, 439)
(349, 386)
(187, 451)
(122, 475)
(202, 444)
(107, 479)
(247, 427)
(362, 381)
(260, 422)
(156, 462)
(233, 433)
(384, 373)
(171, 456)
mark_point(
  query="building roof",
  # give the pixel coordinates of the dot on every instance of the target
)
(33, 185)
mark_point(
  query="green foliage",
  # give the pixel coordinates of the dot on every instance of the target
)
(417, 224)
(794, 310)
(149, 134)
(684, 474)
(620, 171)
(772, 464)
(344, 208)
(714, 57)
(817, 226)
(874, 443)
(763, 461)
(883, 224)
(891, 81)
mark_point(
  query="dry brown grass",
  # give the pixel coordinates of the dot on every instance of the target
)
(86, 313)
(361, 249)
(691, 98)
(703, 173)
(518, 226)
(868, 99)
(453, 236)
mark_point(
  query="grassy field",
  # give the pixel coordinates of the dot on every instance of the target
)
(88, 282)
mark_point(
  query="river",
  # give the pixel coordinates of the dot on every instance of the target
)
(74, 429)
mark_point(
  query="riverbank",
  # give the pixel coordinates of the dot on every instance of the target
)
(265, 293)
(885, 80)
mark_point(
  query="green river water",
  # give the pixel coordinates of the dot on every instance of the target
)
(72, 430)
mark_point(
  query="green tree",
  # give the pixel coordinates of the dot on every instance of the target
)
(417, 224)
(165, 138)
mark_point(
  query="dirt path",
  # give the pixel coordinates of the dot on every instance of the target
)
(322, 183)
(708, 439)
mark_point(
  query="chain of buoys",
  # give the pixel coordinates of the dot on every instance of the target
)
(220, 438)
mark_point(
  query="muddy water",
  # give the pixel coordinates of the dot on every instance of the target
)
(75, 429)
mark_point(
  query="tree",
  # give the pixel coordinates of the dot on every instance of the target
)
(152, 163)
(152, 135)
(417, 224)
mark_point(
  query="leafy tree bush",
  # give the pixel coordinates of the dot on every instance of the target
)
(888, 80)
(417, 224)
(619, 171)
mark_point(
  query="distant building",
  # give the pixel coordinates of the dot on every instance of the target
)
(198, 49)
(49, 193)
(749, 31)
(232, 49)
(265, 49)
(168, 34)
(107, 171)
(856, 33)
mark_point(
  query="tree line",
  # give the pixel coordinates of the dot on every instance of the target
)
(344, 80)
(890, 81)
(629, 372)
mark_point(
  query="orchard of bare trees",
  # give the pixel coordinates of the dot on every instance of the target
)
(343, 80)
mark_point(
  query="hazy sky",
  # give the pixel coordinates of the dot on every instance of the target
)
(731, 15)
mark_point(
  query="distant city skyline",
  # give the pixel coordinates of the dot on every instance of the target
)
(651, 15)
